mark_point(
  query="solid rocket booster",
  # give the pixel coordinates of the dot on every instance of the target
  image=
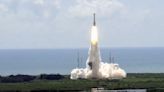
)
(94, 21)
(94, 57)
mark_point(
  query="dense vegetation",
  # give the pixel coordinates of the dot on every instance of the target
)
(27, 78)
(59, 83)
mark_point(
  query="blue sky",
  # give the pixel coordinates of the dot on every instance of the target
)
(44, 24)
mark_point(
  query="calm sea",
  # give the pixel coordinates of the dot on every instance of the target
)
(36, 61)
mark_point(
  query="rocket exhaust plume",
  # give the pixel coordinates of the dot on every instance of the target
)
(94, 35)
(95, 68)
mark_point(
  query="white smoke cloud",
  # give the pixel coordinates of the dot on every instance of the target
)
(102, 7)
(106, 71)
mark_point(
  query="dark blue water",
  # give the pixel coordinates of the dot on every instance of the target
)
(64, 60)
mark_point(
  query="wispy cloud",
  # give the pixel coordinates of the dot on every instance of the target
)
(40, 8)
(102, 7)
(39, 2)
(3, 8)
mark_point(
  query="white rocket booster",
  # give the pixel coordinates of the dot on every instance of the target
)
(94, 57)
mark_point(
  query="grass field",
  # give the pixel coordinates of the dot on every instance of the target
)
(150, 81)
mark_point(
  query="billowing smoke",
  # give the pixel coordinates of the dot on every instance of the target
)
(96, 69)
(106, 71)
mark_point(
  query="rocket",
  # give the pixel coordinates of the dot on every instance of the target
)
(94, 19)
(94, 57)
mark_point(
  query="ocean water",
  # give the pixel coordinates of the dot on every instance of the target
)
(37, 61)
